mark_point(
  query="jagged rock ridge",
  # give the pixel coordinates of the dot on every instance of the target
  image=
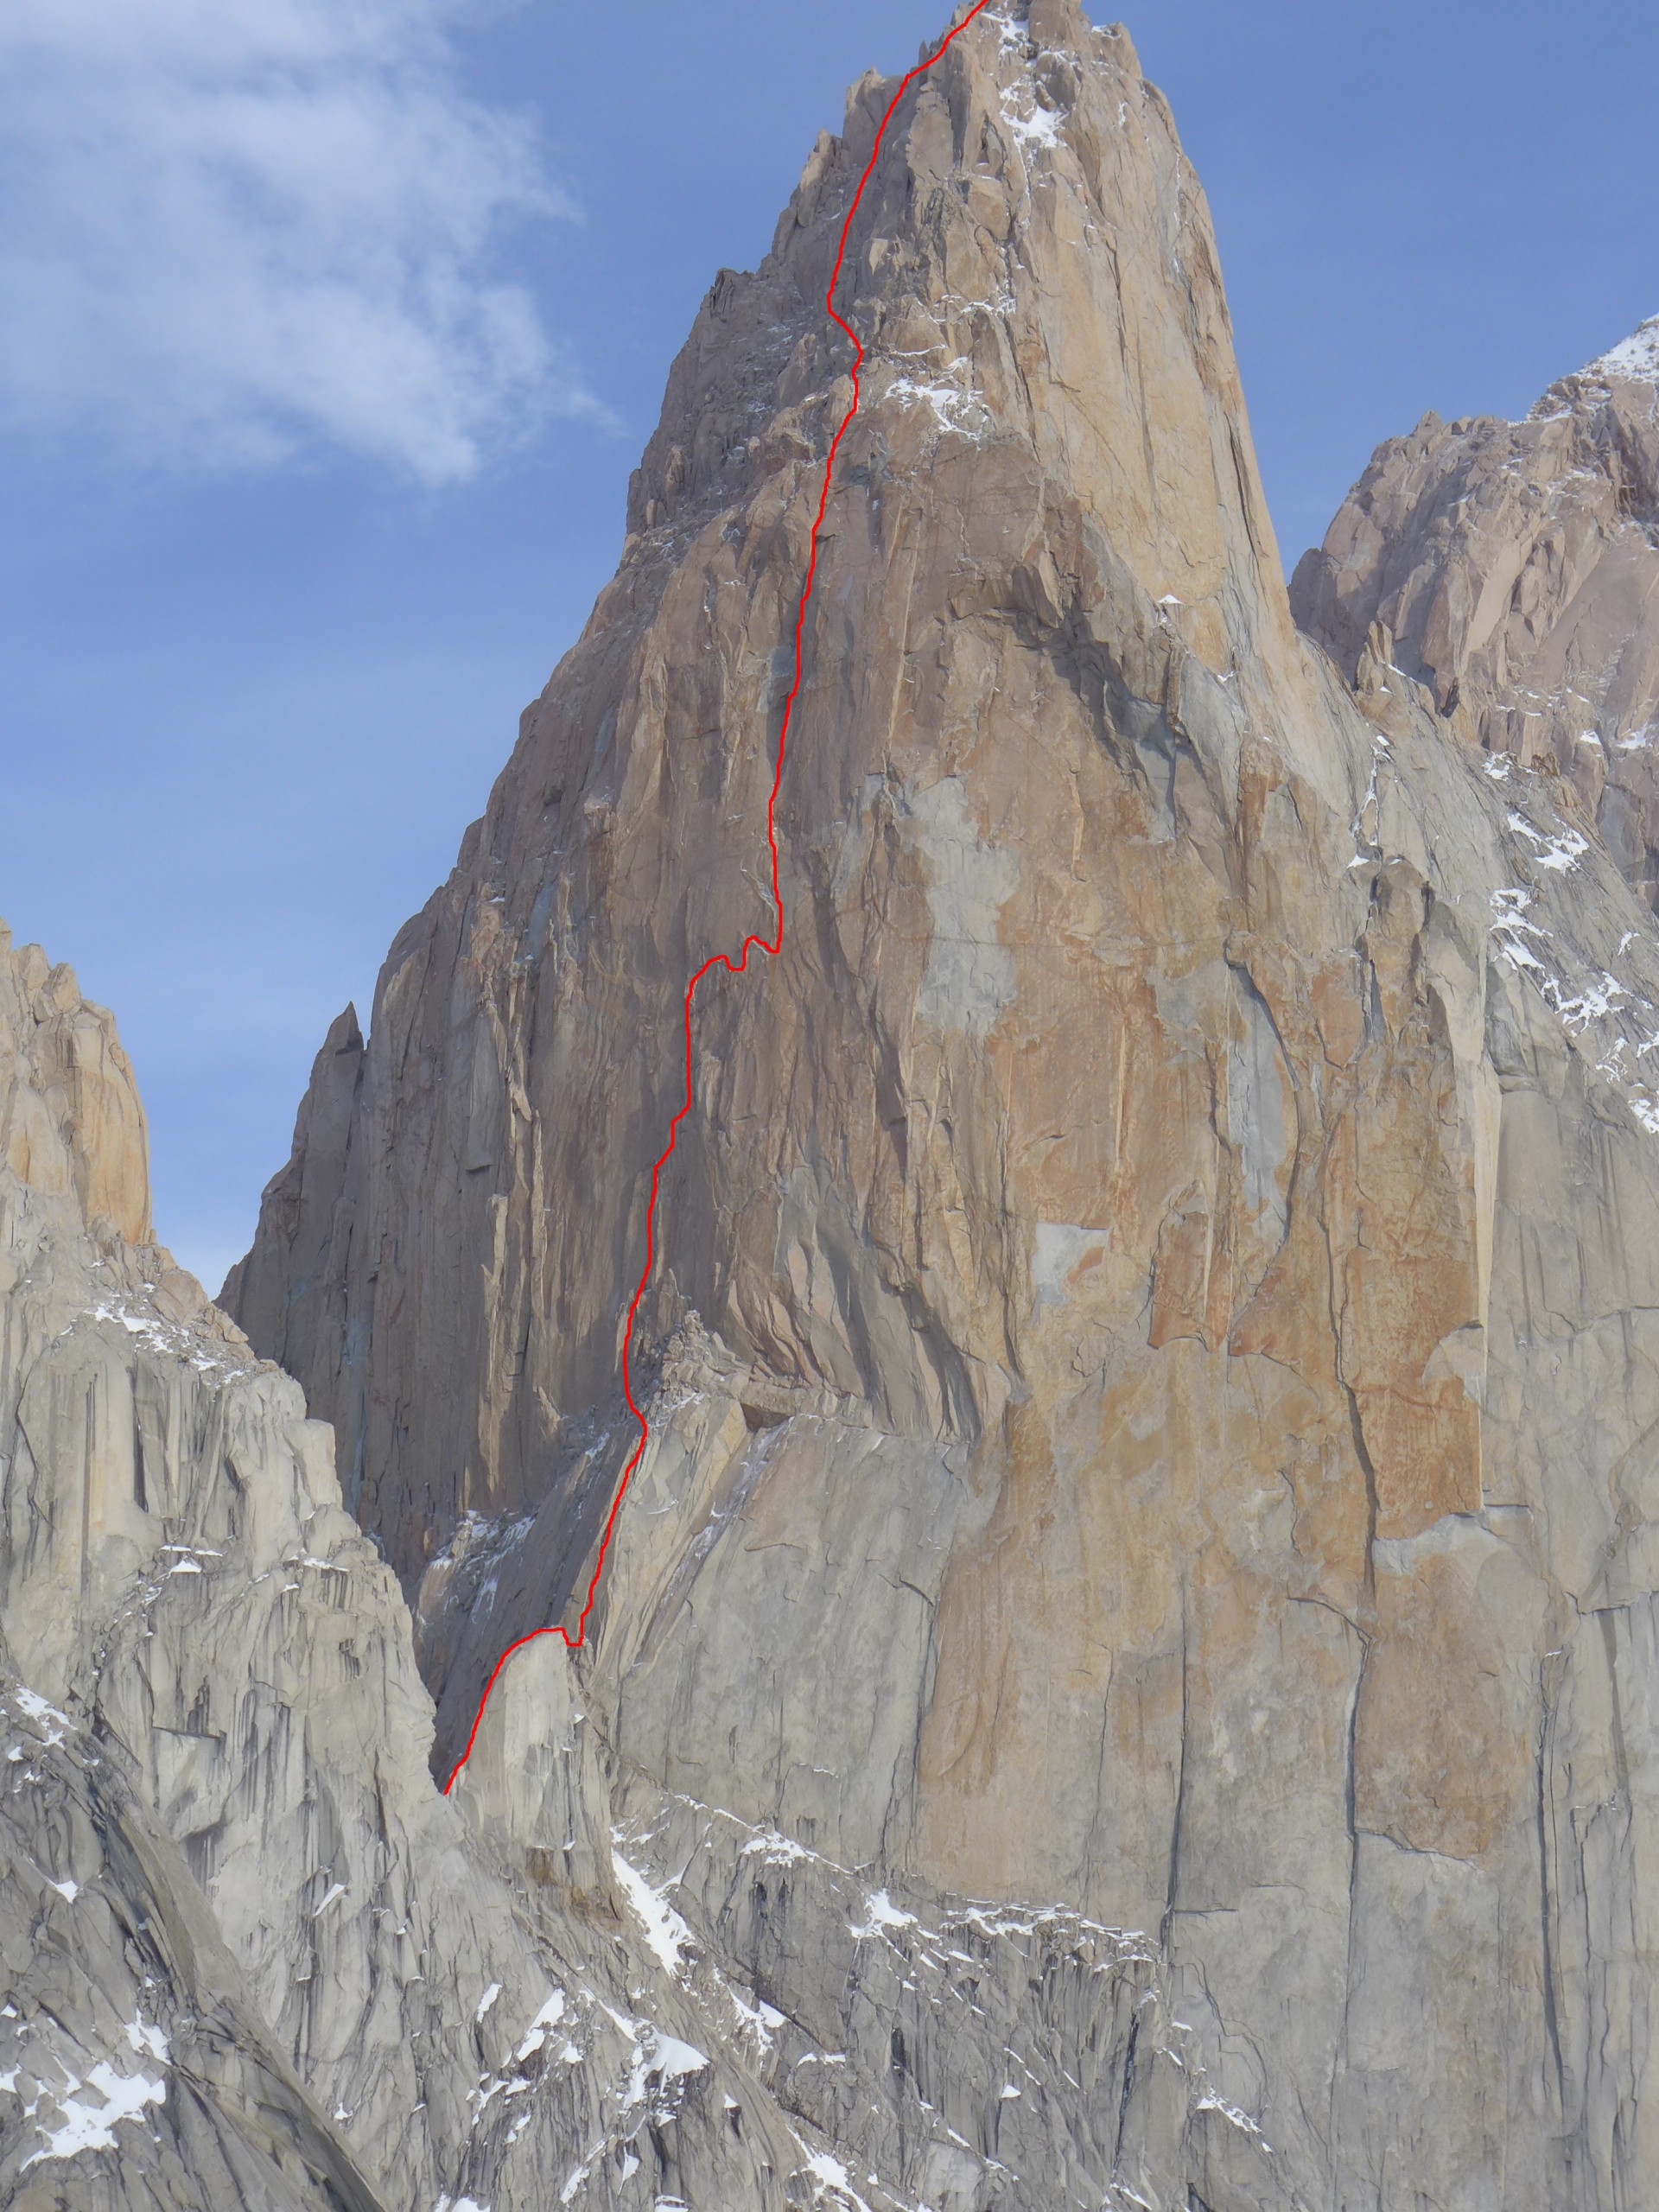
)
(251, 1957)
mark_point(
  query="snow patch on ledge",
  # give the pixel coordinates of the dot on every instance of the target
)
(1558, 853)
(953, 409)
(1039, 127)
(665, 1932)
(88, 2127)
(830, 2178)
(31, 1702)
(882, 1914)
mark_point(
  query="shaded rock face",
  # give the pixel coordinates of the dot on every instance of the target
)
(240, 1930)
(1513, 568)
(1130, 1650)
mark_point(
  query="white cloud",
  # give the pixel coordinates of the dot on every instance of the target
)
(230, 230)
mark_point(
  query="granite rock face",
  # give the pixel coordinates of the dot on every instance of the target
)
(250, 1956)
(1127, 1674)
(1049, 376)
(1513, 568)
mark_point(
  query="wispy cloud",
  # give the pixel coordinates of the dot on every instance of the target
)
(230, 230)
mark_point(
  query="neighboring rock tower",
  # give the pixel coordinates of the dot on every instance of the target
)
(1514, 568)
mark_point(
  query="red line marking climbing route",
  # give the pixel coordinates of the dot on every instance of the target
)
(771, 946)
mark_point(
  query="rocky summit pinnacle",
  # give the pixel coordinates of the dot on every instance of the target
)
(1635, 359)
(1123, 1676)
(1513, 568)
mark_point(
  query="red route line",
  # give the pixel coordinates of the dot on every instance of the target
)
(772, 945)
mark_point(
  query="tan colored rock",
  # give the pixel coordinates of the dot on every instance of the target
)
(638, 790)
(1150, 1329)
(78, 1125)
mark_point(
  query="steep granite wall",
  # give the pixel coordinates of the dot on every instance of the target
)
(1153, 1403)
(250, 1957)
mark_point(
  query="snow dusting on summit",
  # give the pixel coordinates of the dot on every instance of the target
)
(1635, 357)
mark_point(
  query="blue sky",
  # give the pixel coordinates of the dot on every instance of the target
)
(330, 330)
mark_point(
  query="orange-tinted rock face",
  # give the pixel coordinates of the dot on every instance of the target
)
(950, 792)
(1153, 1290)
(74, 1123)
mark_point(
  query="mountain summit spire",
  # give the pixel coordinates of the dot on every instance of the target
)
(1119, 1676)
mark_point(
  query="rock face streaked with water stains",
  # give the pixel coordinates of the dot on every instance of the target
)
(1125, 1676)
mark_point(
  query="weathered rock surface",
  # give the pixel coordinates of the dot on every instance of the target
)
(1514, 568)
(135, 2074)
(1128, 1673)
